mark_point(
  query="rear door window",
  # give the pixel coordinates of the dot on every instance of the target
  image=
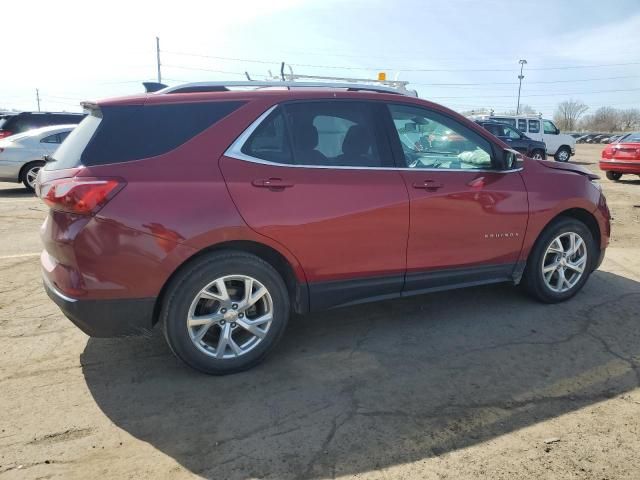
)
(495, 129)
(522, 124)
(534, 126)
(335, 133)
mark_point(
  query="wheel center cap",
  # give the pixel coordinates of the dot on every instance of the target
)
(231, 316)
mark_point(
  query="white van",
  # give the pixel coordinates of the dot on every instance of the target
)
(560, 145)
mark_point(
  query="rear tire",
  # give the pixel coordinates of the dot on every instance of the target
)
(553, 249)
(209, 321)
(563, 154)
(615, 176)
(29, 173)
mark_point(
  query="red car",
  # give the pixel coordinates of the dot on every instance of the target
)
(215, 213)
(622, 157)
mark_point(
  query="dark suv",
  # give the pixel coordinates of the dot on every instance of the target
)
(24, 121)
(215, 213)
(516, 139)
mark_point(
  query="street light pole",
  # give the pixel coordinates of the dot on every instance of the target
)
(520, 77)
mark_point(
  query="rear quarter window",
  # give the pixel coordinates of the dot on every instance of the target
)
(133, 132)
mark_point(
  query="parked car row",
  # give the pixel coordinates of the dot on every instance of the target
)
(599, 138)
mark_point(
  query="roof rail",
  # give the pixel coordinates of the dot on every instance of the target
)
(224, 86)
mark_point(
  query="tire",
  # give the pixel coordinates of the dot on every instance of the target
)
(543, 256)
(563, 154)
(615, 176)
(184, 300)
(28, 174)
(538, 155)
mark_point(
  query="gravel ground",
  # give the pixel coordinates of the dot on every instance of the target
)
(477, 383)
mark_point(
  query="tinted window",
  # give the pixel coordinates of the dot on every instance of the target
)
(534, 126)
(133, 132)
(522, 124)
(334, 133)
(549, 127)
(495, 129)
(630, 138)
(270, 141)
(28, 121)
(55, 138)
(432, 140)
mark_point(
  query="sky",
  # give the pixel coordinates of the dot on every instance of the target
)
(461, 53)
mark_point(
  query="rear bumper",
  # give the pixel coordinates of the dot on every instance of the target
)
(620, 166)
(105, 318)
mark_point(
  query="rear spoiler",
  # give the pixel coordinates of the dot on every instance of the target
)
(150, 87)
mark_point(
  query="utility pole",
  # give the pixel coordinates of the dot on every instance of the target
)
(520, 77)
(38, 98)
(158, 58)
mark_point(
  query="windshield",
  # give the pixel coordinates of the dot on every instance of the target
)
(631, 138)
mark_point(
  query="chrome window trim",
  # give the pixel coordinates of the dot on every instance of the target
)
(235, 151)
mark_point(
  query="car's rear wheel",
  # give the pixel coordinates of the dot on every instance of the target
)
(29, 174)
(561, 261)
(563, 154)
(538, 154)
(225, 313)
(615, 176)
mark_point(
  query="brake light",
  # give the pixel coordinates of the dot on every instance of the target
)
(83, 196)
(607, 152)
(5, 133)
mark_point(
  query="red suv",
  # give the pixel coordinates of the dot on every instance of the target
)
(216, 213)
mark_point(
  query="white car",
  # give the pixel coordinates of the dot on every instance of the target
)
(21, 155)
(561, 145)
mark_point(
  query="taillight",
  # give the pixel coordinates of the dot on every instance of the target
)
(607, 152)
(80, 195)
(5, 133)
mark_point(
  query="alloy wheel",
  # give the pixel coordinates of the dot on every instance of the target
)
(31, 175)
(564, 262)
(230, 316)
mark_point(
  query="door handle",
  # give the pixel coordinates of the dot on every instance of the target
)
(428, 185)
(272, 183)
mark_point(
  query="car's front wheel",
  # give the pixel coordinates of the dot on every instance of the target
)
(615, 176)
(538, 154)
(225, 313)
(561, 261)
(563, 154)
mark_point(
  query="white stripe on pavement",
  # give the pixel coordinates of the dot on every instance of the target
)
(19, 255)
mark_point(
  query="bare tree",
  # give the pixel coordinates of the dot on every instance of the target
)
(524, 110)
(629, 118)
(568, 113)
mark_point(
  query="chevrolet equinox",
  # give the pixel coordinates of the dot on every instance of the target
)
(216, 212)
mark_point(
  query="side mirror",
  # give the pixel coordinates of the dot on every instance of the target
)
(509, 159)
(557, 131)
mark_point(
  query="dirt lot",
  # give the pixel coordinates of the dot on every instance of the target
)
(478, 383)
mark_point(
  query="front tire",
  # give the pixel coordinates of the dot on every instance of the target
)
(563, 154)
(225, 313)
(561, 261)
(615, 176)
(29, 174)
(538, 155)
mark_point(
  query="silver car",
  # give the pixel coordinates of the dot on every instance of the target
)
(21, 155)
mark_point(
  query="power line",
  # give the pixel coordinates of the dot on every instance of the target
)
(545, 94)
(403, 69)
